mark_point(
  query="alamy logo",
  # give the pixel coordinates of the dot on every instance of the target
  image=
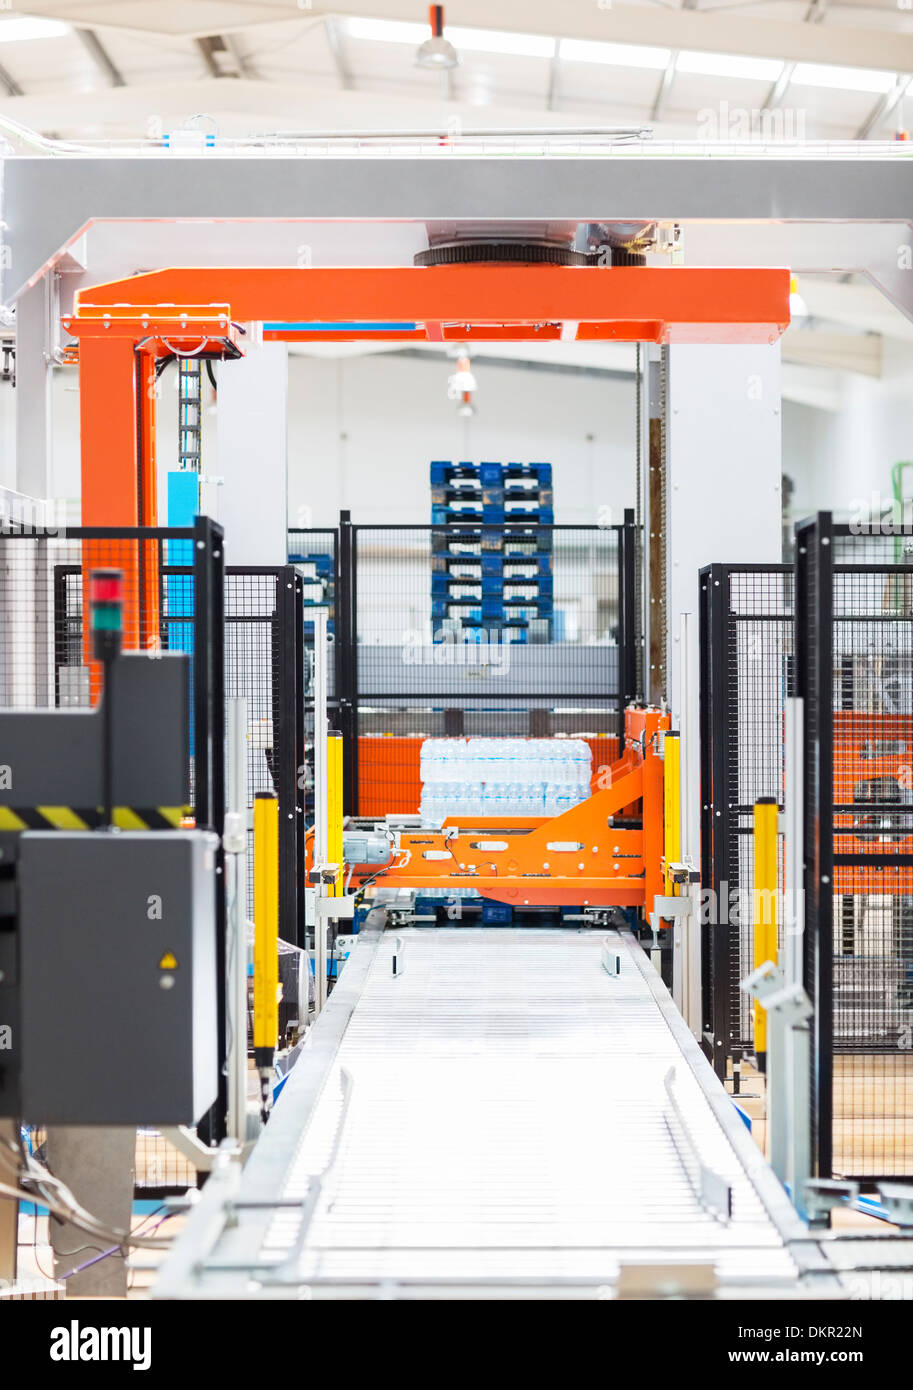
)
(75, 1343)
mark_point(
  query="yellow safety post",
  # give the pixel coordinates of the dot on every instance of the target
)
(266, 938)
(334, 808)
(764, 905)
(672, 813)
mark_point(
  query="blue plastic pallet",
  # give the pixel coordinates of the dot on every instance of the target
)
(498, 496)
(494, 474)
(496, 566)
(494, 514)
(442, 470)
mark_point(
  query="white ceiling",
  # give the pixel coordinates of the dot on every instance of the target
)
(689, 68)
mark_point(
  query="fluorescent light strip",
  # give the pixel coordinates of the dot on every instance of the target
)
(729, 65)
(25, 29)
(844, 79)
(496, 41)
(387, 31)
(616, 55)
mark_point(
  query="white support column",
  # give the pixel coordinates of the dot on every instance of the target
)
(252, 438)
(723, 483)
(34, 390)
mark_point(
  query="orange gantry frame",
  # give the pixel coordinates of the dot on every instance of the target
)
(122, 324)
(605, 852)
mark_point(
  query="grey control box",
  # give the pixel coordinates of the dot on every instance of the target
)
(117, 976)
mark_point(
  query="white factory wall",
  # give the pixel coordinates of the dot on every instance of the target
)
(362, 431)
(838, 459)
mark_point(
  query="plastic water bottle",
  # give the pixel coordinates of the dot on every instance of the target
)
(503, 776)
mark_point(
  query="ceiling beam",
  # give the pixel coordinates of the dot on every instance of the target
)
(884, 108)
(207, 47)
(245, 65)
(813, 15)
(337, 48)
(665, 86)
(101, 57)
(9, 84)
(554, 79)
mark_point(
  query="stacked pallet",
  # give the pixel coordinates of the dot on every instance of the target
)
(319, 576)
(492, 566)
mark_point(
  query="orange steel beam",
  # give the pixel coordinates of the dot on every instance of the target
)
(667, 304)
(196, 309)
(625, 331)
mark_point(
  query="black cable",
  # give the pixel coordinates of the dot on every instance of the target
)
(212, 376)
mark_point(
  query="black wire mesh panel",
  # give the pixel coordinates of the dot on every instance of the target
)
(746, 674)
(263, 654)
(437, 650)
(859, 884)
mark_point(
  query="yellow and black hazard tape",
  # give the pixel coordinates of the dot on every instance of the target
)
(76, 818)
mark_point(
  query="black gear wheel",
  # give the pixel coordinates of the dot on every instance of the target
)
(499, 252)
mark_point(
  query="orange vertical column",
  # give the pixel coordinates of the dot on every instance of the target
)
(150, 588)
(109, 426)
(653, 809)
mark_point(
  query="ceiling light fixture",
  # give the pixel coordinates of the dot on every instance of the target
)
(729, 65)
(843, 79)
(437, 52)
(28, 28)
(621, 55)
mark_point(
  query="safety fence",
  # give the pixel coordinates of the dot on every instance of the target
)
(417, 656)
(747, 670)
(265, 664)
(836, 630)
(854, 598)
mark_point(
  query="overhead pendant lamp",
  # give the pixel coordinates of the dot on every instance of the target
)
(437, 52)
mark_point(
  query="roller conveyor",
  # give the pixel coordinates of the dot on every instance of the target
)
(503, 1115)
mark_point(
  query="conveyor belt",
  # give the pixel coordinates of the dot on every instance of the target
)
(514, 1117)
